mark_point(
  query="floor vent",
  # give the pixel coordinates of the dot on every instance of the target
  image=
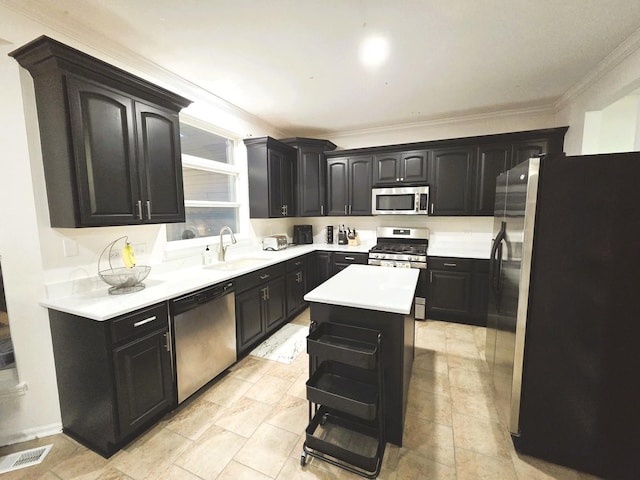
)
(25, 458)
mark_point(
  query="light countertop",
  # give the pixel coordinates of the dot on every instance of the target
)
(161, 285)
(369, 287)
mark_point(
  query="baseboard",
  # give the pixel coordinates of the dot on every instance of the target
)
(30, 434)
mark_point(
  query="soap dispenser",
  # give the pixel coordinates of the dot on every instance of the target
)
(207, 256)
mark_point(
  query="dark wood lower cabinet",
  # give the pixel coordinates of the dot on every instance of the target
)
(458, 290)
(114, 377)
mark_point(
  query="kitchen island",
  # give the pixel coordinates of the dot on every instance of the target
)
(381, 299)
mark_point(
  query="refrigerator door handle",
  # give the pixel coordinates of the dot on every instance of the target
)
(496, 264)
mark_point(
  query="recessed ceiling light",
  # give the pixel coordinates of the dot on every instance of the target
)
(374, 51)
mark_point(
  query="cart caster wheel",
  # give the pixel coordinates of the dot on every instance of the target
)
(303, 459)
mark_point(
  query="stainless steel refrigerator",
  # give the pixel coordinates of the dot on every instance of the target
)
(563, 331)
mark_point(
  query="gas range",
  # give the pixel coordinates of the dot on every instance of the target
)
(400, 247)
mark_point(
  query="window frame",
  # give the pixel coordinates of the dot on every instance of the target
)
(237, 168)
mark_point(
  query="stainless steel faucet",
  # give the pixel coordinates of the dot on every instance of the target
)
(222, 250)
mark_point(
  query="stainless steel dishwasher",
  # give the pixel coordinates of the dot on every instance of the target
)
(204, 328)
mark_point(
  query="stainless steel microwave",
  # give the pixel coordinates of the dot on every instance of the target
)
(400, 201)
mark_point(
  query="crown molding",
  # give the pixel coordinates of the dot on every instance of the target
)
(536, 110)
(617, 56)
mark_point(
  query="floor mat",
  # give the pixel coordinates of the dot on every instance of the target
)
(284, 345)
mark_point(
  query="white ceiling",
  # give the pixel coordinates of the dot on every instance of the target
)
(294, 63)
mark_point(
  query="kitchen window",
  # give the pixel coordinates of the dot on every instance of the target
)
(210, 178)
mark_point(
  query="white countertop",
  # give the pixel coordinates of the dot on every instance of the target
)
(369, 287)
(97, 304)
(460, 245)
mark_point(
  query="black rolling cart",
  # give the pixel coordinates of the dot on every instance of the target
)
(345, 393)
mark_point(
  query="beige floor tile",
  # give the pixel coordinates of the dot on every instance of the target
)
(85, 465)
(208, 457)
(430, 382)
(431, 339)
(429, 406)
(250, 369)
(474, 466)
(237, 471)
(299, 387)
(193, 420)
(473, 404)
(431, 361)
(466, 363)
(174, 472)
(267, 449)
(290, 372)
(414, 465)
(459, 331)
(529, 468)
(227, 391)
(462, 348)
(481, 436)
(292, 470)
(292, 415)
(470, 380)
(244, 416)
(151, 455)
(269, 389)
(432, 440)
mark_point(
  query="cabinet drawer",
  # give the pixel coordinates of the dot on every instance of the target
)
(450, 263)
(343, 257)
(258, 277)
(295, 264)
(139, 323)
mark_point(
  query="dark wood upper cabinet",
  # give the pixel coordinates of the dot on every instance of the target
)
(529, 148)
(349, 186)
(310, 175)
(270, 165)
(451, 186)
(492, 161)
(110, 140)
(400, 168)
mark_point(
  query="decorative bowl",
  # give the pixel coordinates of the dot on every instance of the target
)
(125, 280)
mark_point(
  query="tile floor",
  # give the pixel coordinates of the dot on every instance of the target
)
(250, 425)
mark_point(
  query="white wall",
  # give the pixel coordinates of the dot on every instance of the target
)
(616, 77)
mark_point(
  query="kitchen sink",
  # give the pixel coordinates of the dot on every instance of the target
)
(236, 264)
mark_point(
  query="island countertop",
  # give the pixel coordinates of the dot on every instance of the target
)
(370, 287)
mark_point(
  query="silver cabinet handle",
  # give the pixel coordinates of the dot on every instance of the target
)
(350, 209)
(345, 209)
(402, 179)
(148, 209)
(349, 258)
(430, 277)
(267, 293)
(146, 320)
(321, 209)
(432, 209)
(397, 179)
(450, 264)
(264, 277)
(140, 210)
(167, 339)
(264, 293)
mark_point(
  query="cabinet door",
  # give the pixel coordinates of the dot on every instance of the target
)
(524, 150)
(324, 267)
(414, 167)
(450, 293)
(311, 181)
(102, 125)
(492, 161)
(337, 186)
(275, 306)
(249, 325)
(287, 181)
(452, 169)
(162, 198)
(360, 186)
(144, 385)
(295, 291)
(386, 169)
(275, 165)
